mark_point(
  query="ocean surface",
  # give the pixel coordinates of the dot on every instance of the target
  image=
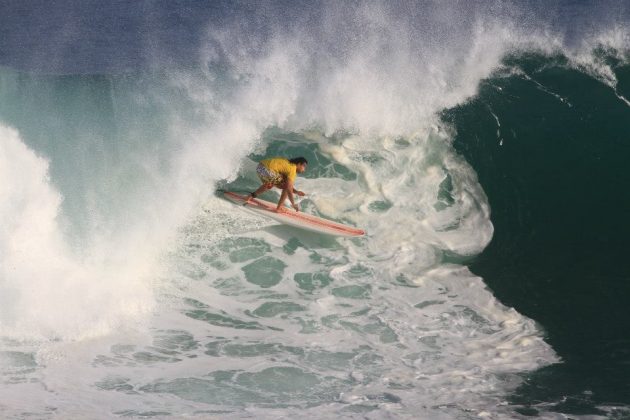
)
(482, 145)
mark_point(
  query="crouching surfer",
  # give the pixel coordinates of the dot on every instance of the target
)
(280, 173)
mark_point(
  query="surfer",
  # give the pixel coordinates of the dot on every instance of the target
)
(280, 173)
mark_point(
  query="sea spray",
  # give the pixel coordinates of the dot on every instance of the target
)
(243, 318)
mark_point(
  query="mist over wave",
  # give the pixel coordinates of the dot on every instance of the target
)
(47, 291)
(120, 163)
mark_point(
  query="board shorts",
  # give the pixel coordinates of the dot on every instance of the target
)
(267, 176)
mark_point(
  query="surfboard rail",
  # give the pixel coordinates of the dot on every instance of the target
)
(295, 218)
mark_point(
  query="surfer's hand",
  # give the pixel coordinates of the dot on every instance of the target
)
(300, 193)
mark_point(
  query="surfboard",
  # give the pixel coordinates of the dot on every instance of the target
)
(294, 218)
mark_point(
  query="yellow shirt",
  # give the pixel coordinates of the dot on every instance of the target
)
(281, 166)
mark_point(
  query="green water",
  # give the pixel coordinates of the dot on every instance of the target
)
(556, 175)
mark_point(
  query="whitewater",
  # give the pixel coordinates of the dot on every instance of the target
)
(128, 288)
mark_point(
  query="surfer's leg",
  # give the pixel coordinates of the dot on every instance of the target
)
(283, 196)
(282, 185)
(267, 177)
(264, 187)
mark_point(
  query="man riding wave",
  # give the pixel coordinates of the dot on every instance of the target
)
(280, 173)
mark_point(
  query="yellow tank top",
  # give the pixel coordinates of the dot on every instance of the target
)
(281, 166)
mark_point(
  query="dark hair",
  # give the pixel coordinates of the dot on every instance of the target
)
(298, 160)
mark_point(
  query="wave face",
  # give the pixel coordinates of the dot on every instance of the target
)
(128, 288)
(548, 141)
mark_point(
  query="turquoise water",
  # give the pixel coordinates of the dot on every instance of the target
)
(481, 146)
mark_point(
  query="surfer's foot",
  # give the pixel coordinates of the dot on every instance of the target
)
(249, 198)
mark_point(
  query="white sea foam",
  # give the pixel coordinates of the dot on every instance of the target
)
(46, 291)
(381, 324)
